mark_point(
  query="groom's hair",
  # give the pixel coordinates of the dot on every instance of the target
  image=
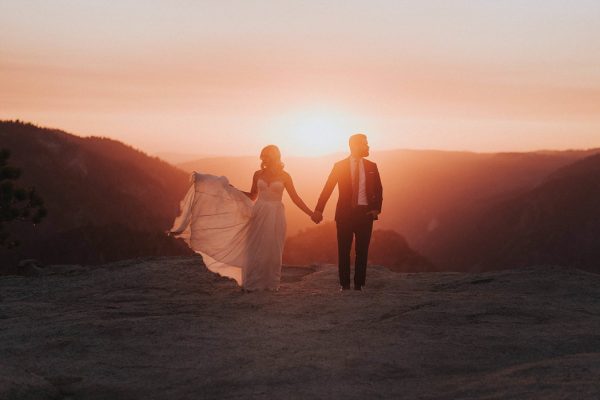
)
(356, 138)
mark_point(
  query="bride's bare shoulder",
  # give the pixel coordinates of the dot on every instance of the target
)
(285, 176)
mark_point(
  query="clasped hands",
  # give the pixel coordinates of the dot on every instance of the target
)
(317, 216)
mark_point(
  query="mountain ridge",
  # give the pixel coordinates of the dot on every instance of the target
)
(558, 221)
(103, 189)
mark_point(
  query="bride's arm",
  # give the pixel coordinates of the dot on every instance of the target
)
(289, 186)
(254, 189)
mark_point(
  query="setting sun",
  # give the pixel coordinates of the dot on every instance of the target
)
(314, 132)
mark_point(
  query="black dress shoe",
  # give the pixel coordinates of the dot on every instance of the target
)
(342, 288)
(357, 287)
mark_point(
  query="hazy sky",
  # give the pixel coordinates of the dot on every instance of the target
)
(227, 77)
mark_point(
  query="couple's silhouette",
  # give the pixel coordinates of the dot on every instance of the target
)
(241, 234)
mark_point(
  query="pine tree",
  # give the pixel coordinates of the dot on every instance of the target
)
(16, 203)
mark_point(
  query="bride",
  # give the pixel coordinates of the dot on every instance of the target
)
(240, 234)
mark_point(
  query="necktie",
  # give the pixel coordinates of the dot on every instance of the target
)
(355, 183)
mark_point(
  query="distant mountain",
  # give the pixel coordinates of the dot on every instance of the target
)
(179, 158)
(557, 222)
(105, 200)
(319, 245)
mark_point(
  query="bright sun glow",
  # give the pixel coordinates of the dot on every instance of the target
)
(313, 133)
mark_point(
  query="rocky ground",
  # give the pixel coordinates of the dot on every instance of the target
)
(166, 328)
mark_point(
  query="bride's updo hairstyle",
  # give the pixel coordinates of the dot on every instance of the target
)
(271, 158)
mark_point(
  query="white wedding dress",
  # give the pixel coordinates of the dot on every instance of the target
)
(236, 237)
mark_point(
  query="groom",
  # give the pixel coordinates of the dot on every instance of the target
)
(359, 204)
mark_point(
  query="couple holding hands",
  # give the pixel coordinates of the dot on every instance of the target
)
(241, 234)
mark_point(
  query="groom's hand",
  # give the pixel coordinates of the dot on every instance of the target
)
(374, 214)
(317, 217)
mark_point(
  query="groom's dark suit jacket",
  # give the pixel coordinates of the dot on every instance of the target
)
(342, 176)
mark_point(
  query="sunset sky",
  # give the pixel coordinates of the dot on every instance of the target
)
(227, 77)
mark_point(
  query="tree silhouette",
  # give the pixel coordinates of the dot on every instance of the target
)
(16, 203)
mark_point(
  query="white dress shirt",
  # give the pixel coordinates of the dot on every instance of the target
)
(362, 187)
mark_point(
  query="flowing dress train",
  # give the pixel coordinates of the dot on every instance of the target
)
(236, 237)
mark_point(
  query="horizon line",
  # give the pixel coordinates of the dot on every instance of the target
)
(215, 156)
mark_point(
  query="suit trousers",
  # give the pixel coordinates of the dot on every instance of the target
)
(358, 224)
